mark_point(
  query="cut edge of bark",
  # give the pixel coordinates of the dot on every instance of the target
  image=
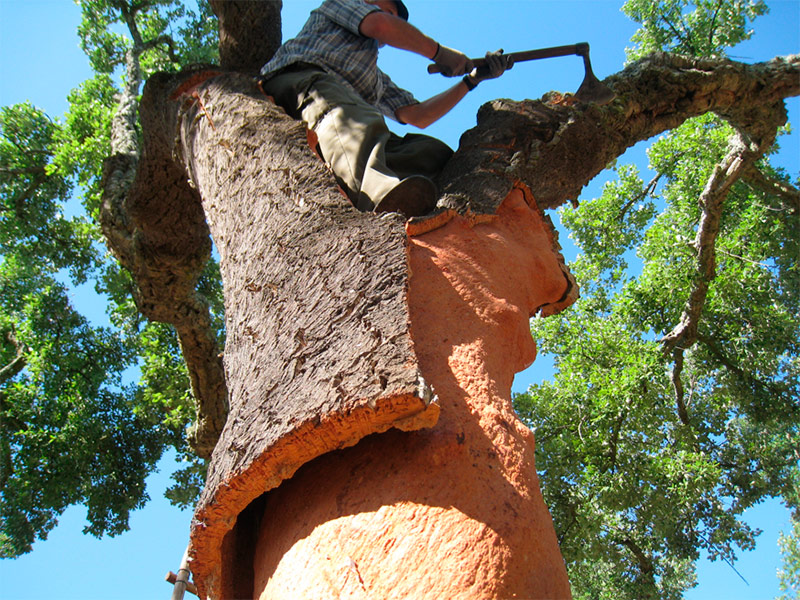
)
(306, 442)
(442, 216)
(572, 293)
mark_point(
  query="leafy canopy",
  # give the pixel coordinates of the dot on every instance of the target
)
(73, 428)
(705, 28)
(645, 465)
(789, 575)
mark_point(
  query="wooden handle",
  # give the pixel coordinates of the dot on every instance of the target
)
(581, 49)
(173, 579)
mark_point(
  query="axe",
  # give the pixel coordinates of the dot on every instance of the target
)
(591, 89)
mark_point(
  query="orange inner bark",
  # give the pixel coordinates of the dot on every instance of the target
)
(453, 511)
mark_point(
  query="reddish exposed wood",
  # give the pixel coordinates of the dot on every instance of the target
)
(449, 512)
(188, 87)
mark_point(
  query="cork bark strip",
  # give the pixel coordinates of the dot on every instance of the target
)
(318, 352)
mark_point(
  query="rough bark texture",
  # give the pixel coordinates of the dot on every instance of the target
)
(249, 32)
(449, 512)
(165, 271)
(557, 148)
(157, 229)
(318, 351)
(291, 287)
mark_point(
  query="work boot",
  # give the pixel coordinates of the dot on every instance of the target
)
(414, 196)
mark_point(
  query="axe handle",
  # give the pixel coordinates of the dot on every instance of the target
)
(581, 49)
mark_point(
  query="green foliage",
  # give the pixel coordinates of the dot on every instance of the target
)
(68, 433)
(167, 33)
(32, 223)
(640, 479)
(703, 28)
(789, 575)
(627, 480)
(83, 141)
(72, 429)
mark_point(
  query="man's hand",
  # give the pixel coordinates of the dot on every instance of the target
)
(496, 64)
(452, 62)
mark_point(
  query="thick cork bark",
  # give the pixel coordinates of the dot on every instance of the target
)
(318, 352)
(454, 511)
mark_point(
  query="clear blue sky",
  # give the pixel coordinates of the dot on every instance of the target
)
(40, 61)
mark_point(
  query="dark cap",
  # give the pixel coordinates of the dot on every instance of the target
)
(402, 11)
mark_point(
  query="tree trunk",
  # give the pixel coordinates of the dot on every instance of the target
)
(249, 32)
(449, 512)
(327, 346)
(318, 352)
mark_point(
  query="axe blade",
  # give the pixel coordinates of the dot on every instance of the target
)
(592, 90)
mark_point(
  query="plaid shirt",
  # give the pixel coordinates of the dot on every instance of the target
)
(331, 40)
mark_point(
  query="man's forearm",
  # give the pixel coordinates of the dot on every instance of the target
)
(394, 31)
(431, 110)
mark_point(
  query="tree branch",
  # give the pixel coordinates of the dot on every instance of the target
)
(649, 189)
(713, 23)
(645, 563)
(163, 40)
(22, 171)
(679, 34)
(165, 253)
(556, 149)
(19, 200)
(647, 574)
(8, 421)
(757, 179)
(677, 384)
(742, 153)
(738, 371)
(17, 364)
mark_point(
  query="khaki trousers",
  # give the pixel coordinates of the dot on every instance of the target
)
(367, 159)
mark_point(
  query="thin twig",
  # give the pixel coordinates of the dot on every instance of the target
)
(759, 180)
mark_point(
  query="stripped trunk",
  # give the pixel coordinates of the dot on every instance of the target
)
(332, 337)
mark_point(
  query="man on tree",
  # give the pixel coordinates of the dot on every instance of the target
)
(328, 77)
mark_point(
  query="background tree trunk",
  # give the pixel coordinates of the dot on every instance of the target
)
(249, 32)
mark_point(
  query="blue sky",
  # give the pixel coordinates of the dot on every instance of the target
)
(40, 61)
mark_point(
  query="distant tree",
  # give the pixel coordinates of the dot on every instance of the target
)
(789, 574)
(71, 430)
(674, 406)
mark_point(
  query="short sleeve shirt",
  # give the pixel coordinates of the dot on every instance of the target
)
(331, 40)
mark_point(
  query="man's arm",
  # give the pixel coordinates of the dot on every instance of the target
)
(424, 113)
(431, 110)
(396, 32)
